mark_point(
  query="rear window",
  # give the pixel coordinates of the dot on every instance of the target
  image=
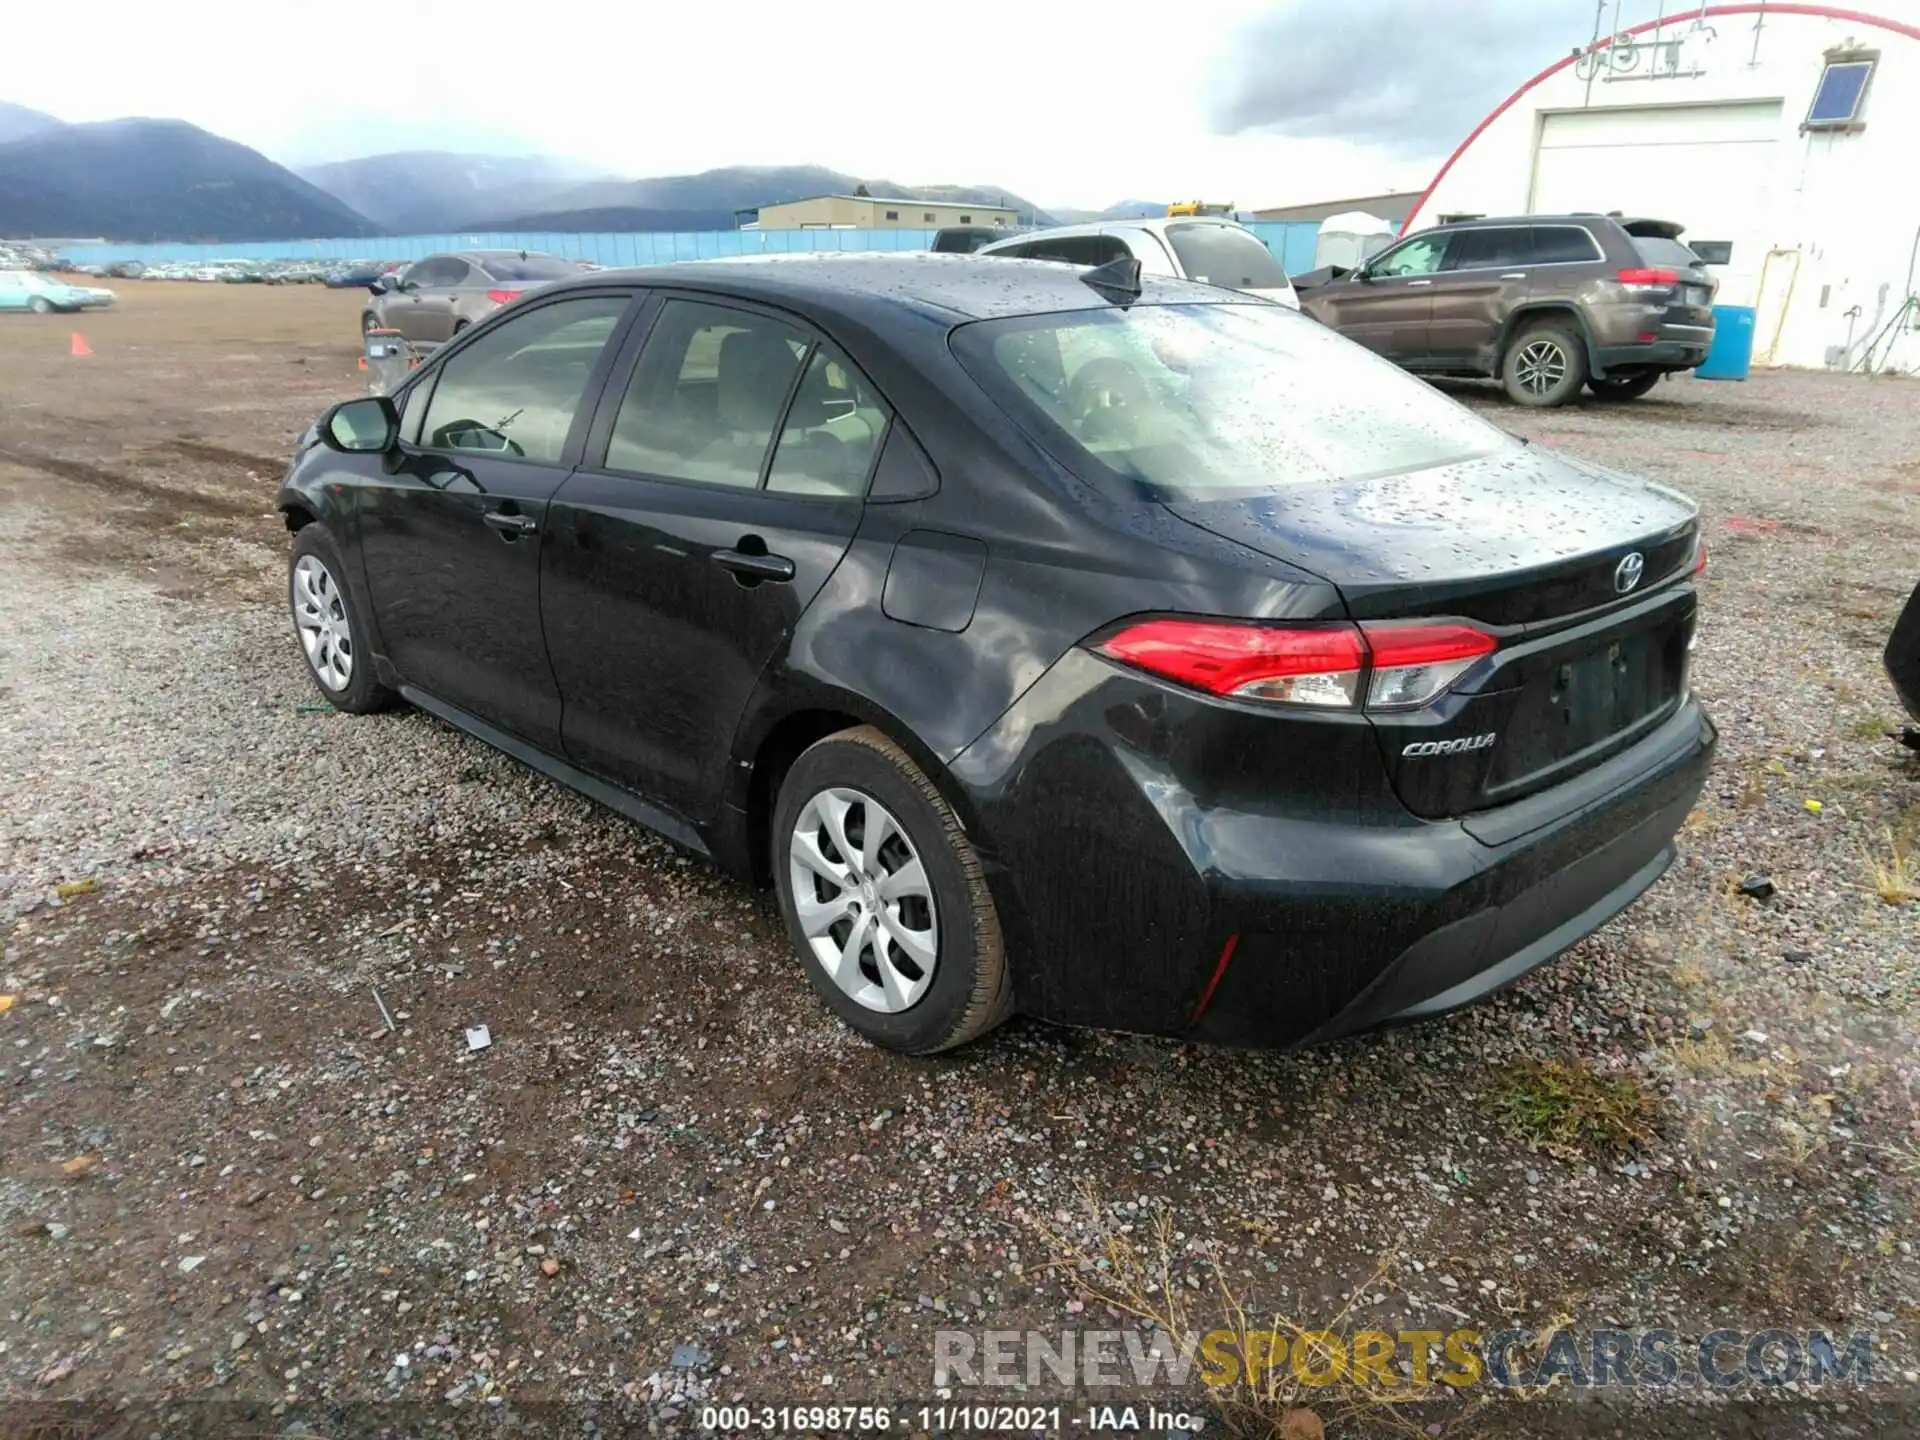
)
(533, 267)
(1225, 255)
(1658, 250)
(1212, 401)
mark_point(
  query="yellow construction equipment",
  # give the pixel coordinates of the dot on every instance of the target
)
(1198, 207)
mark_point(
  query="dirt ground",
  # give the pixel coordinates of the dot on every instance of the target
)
(673, 1181)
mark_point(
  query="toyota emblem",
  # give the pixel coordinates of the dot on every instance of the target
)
(1626, 574)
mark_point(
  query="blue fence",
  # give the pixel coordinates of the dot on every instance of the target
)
(1291, 242)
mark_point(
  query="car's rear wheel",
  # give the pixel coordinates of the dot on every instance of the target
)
(329, 630)
(884, 898)
(369, 321)
(1622, 387)
(1544, 365)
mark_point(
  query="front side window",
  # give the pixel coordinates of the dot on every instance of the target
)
(1209, 401)
(707, 394)
(514, 391)
(1421, 256)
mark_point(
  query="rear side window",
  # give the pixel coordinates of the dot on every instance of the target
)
(514, 391)
(707, 395)
(531, 268)
(1658, 250)
(1079, 249)
(1226, 255)
(832, 432)
(1563, 245)
(1489, 249)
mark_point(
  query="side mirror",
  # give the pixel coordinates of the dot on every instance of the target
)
(361, 427)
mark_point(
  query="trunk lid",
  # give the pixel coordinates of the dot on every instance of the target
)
(1533, 547)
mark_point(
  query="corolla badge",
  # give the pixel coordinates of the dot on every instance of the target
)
(1627, 573)
(1449, 747)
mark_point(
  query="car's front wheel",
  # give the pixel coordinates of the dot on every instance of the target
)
(884, 897)
(40, 305)
(1623, 387)
(330, 632)
(1544, 365)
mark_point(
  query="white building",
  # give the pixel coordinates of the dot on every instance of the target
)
(1788, 133)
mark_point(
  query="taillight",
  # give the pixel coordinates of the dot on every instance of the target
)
(1700, 556)
(1415, 664)
(502, 297)
(1391, 665)
(1649, 279)
(1320, 665)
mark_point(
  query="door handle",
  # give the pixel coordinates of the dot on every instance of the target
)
(1514, 275)
(509, 524)
(754, 567)
(1412, 283)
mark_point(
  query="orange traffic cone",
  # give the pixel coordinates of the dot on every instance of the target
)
(80, 346)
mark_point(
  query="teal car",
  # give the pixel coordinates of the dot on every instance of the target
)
(30, 290)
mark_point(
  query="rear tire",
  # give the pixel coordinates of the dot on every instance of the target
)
(848, 783)
(1623, 387)
(369, 321)
(1545, 364)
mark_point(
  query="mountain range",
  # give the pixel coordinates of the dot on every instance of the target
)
(145, 179)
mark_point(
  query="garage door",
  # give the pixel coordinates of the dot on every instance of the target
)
(1704, 166)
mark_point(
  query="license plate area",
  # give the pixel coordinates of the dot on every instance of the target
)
(1576, 702)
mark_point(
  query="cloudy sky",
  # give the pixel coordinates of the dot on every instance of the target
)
(1257, 102)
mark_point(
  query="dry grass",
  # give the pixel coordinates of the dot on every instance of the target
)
(1149, 1276)
(1896, 879)
(1573, 1109)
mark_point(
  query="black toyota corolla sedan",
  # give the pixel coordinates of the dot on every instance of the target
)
(1115, 650)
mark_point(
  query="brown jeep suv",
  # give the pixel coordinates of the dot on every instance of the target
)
(1545, 302)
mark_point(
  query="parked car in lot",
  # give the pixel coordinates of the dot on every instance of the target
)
(1903, 655)
(434, 299)
(1546, 303)
(33, 290)
(1214, 252)
(1111, 649)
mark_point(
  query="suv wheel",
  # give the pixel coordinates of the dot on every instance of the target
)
(1545, 364)
(1623, 387)
(884, 899)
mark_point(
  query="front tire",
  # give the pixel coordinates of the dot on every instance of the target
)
(1544, 365)
(1623, 387)
(884, 897)
(329, 629)
(40, 305)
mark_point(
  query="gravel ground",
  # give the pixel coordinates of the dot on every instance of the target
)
(672, 1179)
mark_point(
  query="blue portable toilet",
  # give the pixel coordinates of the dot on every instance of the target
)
(1730, 356)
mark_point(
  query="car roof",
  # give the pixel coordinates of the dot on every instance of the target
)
(949, 287)
(1156, 224)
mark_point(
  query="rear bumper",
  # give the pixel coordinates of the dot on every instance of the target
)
(1674, 354)
(1121, 880)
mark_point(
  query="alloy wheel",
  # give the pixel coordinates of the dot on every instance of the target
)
(1541, 367)
(864, 900)
(320, 613)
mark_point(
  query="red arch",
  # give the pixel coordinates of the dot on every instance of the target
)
(1776, 7)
